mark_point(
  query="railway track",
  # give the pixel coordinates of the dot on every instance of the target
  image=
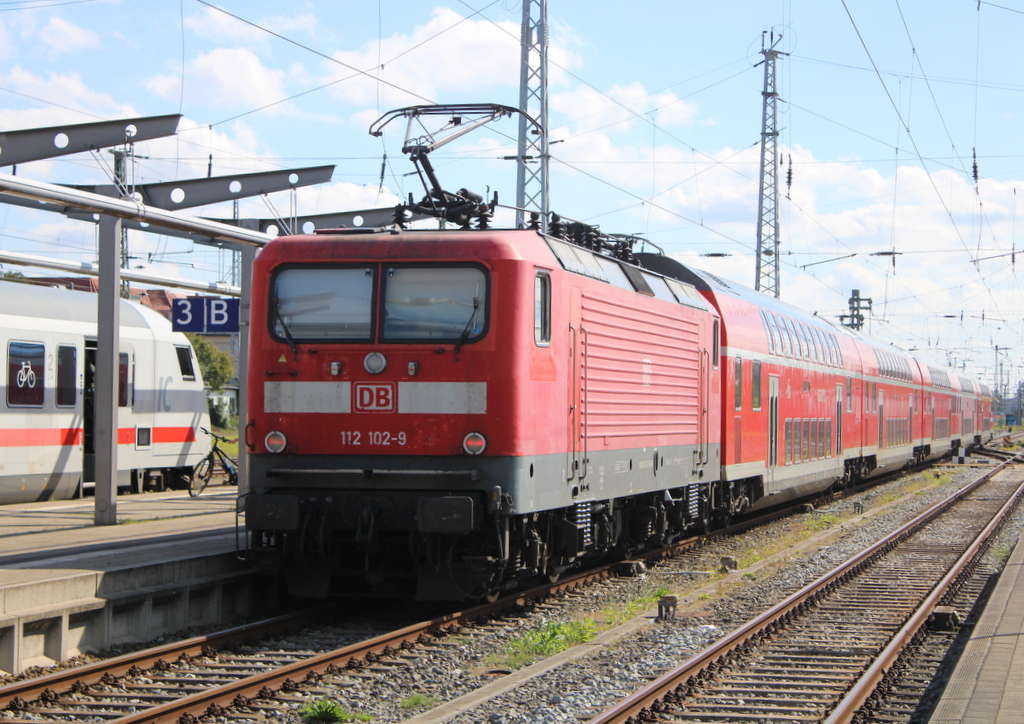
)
(821, 654)
(183, 681)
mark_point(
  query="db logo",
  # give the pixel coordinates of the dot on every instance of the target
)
(374, 397)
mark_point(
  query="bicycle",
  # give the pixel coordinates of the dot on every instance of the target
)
(214, 460)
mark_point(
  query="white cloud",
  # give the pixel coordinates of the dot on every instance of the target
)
(214, 25)
(228, 77)
(459, 55)
(63, 37)
(65, 94)
(622, 109)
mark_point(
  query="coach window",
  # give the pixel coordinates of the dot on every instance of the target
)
(188, 371)
(767, 333)
(67, 376)
(849, 394)
(739, 385)
(799, 346)
(542, 309)
(787, 342)
(776, 337)
(755, 386)
(815, 348)
(805, 335)
(819, 337)
(25, 374)
(789, 442)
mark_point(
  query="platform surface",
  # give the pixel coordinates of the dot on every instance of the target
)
(51, 539)
(987, 686)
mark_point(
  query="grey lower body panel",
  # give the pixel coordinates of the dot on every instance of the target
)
(393, 486)
(39, 488)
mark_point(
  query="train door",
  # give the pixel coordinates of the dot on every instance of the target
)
(881, 419)
(577, 455)
(839, 421)
(773, 432)
(89, 414)
(124, 393)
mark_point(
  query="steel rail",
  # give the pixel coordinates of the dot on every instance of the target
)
(216, 700)
(640, 704)
(147, 658)
(849, 705)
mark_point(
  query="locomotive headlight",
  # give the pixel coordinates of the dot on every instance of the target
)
(275, 441)
(374, 363)
(474, 443)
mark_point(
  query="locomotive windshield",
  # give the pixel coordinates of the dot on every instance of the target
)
(434, 303)
(418, 303)
(320, 304)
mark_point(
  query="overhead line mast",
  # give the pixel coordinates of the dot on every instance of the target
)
(766, 278)
(532, 159)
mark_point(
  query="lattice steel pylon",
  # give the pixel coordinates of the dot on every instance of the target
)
(532, 158)
(766, 278)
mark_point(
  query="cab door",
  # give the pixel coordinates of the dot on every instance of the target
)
(577, 455)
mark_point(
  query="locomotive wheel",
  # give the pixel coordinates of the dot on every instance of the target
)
(553, 574)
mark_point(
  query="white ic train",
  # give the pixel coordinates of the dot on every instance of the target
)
(46, 430)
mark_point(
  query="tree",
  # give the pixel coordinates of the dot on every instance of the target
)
(13, 276)
(217, 367)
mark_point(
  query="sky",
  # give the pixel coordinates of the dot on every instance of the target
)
(900, 132)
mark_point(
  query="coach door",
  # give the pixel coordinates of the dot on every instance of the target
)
(839, 421)
(773, 432)
(577, 452)
(881, 419)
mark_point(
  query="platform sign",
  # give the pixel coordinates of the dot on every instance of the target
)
(207, 315)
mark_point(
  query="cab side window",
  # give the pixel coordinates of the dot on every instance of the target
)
(542, 309)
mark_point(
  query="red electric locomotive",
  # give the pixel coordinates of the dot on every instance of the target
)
(459, 411)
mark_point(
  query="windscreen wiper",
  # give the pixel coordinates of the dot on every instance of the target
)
(276, 304)
(469, 327)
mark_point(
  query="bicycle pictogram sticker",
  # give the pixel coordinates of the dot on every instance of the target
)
(26, 375)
